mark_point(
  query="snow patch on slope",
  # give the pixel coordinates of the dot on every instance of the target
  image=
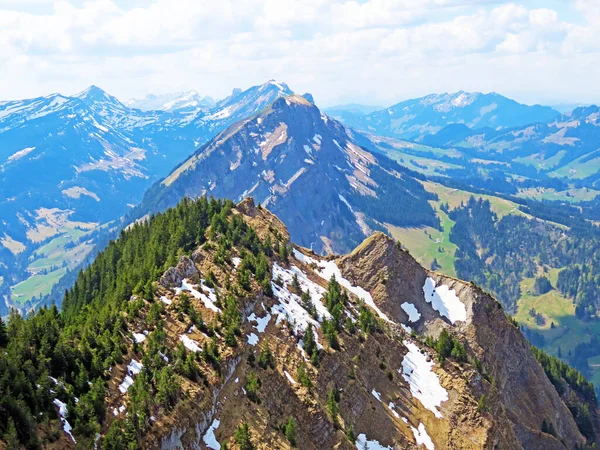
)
(139, 337)
(209, 437)
(329, 269)
(422, 437)
(413, 313)
(252, 339)
(190, 344)
(133, 368)
(376, 394)
(424, 383)
(63, 411)
(362, 443)
(209, 301)
(261, 323)
(445, 301)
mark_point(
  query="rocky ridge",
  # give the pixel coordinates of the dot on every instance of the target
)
(381, 370)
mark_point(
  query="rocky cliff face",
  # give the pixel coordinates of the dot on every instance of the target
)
(526, 395)
(375, 380)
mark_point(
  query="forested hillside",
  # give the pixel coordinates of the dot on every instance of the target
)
(561, 262)
(68, 355)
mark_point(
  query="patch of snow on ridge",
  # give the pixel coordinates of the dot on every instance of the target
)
(289, 306)
(376, 394)
(126, 384)
(252, 339)
(261, 323)
(63, 412)
(444, 300)
(424, 383)
(422, 437)
(289, 377)
(413, 313)
(20, 154)
(316, 291)
(209, 301)
(209, 437)
(363, 444)
(133, 368)
(139, 337)
(329, 269)
(190, 344)
(346, 203)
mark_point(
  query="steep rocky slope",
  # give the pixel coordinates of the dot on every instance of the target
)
(223, 340)
(306, 168)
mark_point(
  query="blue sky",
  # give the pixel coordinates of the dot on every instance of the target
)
(368, 51)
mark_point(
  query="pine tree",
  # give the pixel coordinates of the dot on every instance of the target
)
(367, 320)
(11, 437)
(167, 387)
(308, 304)
(290, 431)
(296, 283)
(482, 404)
(283, 252)
(330, 332)
(303, 376)
(242, 437)
(252, 386)
(310, 346)
(3, 334)
(332, 406)
(350, 434)
(267, 288)
(138, 410)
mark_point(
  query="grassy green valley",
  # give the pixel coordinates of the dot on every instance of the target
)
(50, 262)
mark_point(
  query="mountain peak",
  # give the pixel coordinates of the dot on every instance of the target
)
(277, 85)
(91, 91)
(95, 94)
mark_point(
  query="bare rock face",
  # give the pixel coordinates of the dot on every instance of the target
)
(175, 275)
(525, 395)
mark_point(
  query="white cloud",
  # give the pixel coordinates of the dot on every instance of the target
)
(373, 51)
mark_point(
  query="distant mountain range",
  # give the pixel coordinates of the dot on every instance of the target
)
(73, 162)
(565, 148)
(413, 119)
(190, 101)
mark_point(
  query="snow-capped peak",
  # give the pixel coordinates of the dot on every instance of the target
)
(281, 86)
